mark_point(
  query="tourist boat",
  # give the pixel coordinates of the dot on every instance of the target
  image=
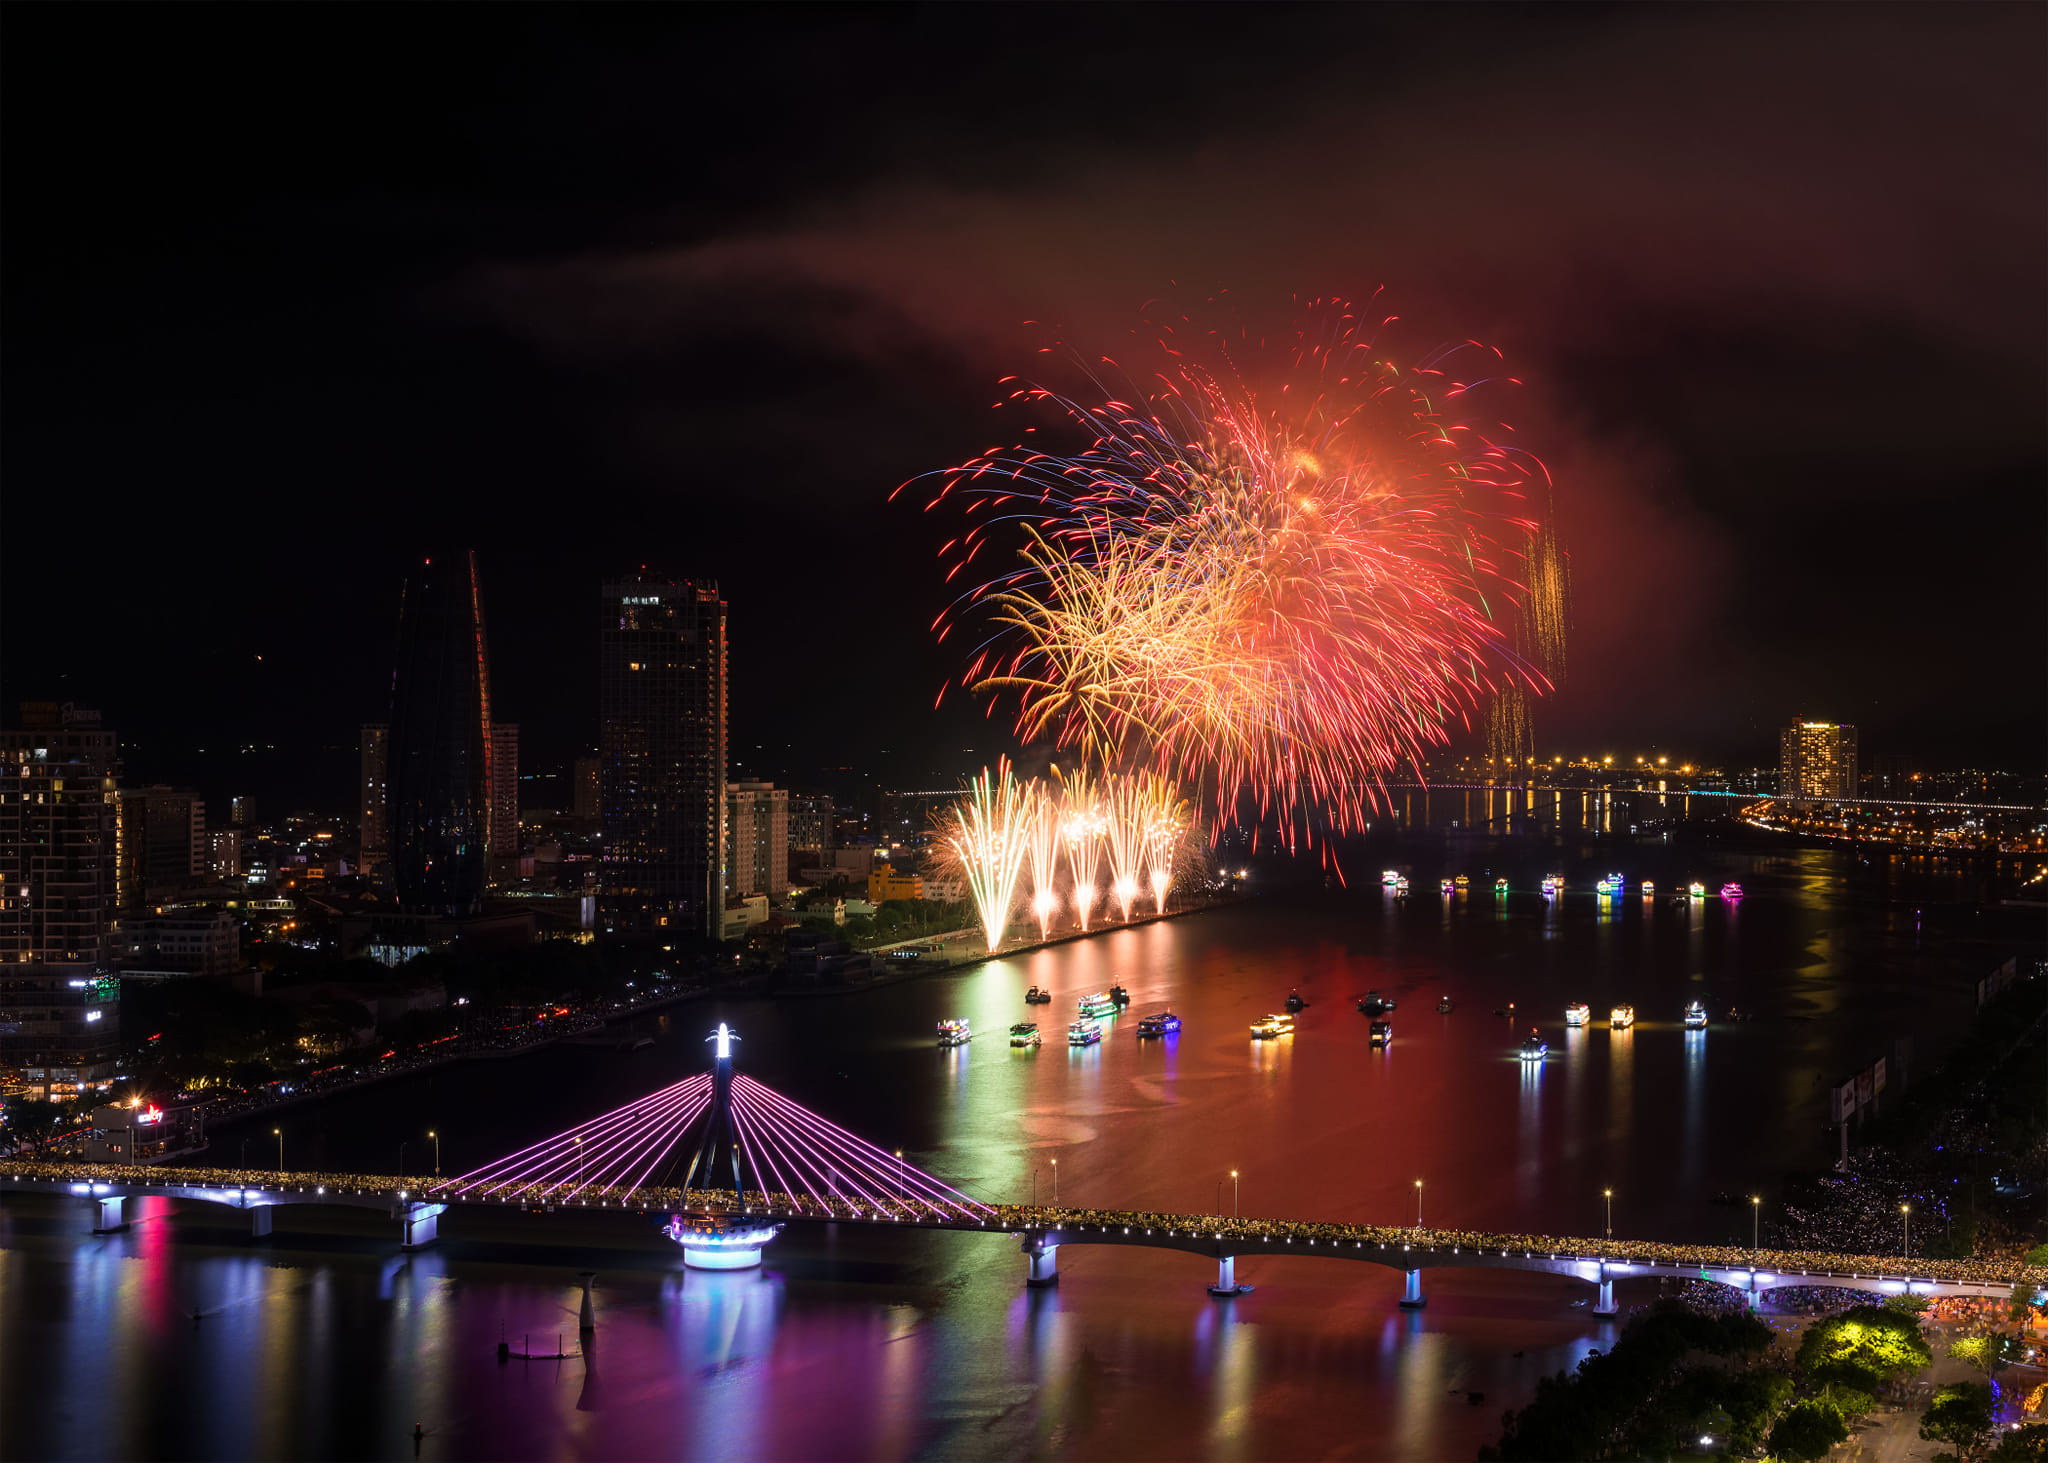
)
(1696, 889)
(1604, 887)
(1101, 1003)
(1390, 877)
(1444, 1006)
(1024, 1033)
(1084, 1033)
(1268, 1027)
(1163, 1023)
(1295, 1001)
(1578, 1013)
(1371, 1004)
(954, 1033)
(1553, 883)
(1119, 995)
(1462, 882)
(1382, 1033)
(1649, 889)
(1500, 886)
(1622, 1017)
(1534, 1047)
(1696, 1016)
(1447, 887)
(1731, 891)
(1401, 885)
(1037, 997)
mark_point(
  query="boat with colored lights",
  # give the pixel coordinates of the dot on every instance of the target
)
(1447, 887)
(1622, 1017)
(1462, 881)
(1649, 888)
(1553, 883)
(1401, 885)
(1381, 1033)
(1390, 877)
(1101, 1003)
(1025, 1033)
(1500, 886)
(954, 1033)
(1162, 1023)
(1268, 1027)
(1084, 1033)
(1534, 1047)
(1696, 890)
(1696, 1016)
(1578, 1013)
(1731, 891)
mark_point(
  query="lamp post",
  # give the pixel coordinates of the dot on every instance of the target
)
(1755, 1209)
(278, 1133)
(579, 1163)
(1906, 1228)
(1418, 1203)
(1608, 1195)
(1055, 1183)
(437, 1151)
(899, 1175)
(1233, 1196)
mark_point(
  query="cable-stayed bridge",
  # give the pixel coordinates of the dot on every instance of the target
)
(725, 1162)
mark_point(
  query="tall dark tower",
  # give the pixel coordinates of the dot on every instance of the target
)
(661, 775)
(721, 1139)
(440, 743)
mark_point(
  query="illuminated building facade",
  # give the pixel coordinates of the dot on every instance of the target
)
(440, 742)
(662, 754)
(1817, 759)
(60, 1006)
(373, 803)
(757, 838)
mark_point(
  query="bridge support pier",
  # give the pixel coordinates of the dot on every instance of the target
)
(1605, 1305)
(259, 1221)
(1412, 1298)
(587, 1322)
(1045, 1263)
(1226, 1279)
(420, 1225)
(108, 1207)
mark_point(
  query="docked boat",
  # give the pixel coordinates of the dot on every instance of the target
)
(1101, 1003)
(954, 1033)
(1622, 1017)
(1534, 1047)
(1295, 1001)
(1500, 886)
(1163, 1023)
(1382, 1033)
(1025, 1033)
(1578, 1013)
(1696, 890)
(1444, 1006)
(1084, 1033)
(1268, 1027)
(1696, 1016)
(1037, 996)
(1447, 887)
(1731, 891)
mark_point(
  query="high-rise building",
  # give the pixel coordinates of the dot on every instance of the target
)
(225, 853)
(757, 838)
(505, 793)
(373, 803)
(60, 1007)
(810, 823)
(163, 846)
(440, 741)
(239, 814)
(588, 798)
(661, 688)
(1817, 759)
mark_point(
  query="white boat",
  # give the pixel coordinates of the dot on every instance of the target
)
(1268, 1027)
(1696, 1016)
(1085, 1032)
(1578, 1013)
(1622, 1017)
(1535, 1048)
(1390, 877)
(954, 1033)
(1649, 888)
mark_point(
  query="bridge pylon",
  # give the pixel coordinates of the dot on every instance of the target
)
(720, 1239)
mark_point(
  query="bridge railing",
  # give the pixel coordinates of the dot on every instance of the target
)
(1075, 1223)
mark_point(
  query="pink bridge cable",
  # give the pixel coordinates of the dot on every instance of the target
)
(611, 1144)
(803, 1156)
(829, 1141)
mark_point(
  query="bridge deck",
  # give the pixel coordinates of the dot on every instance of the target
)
(1214, 1236)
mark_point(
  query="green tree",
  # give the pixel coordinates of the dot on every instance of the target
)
(31, 1120)
(1988, 1354)
(2028, 1444)
(1863, 1347)
(1807, 1431)
(2038, 1255)
(1961, 1417)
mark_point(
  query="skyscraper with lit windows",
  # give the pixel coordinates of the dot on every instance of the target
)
(1817, 759)
(662, 753)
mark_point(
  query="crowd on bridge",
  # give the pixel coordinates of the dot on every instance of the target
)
(1053, 1222)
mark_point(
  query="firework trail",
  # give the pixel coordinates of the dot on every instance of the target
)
(1082, 827)
(1042, 853)
(989, 837)
(1280, 591)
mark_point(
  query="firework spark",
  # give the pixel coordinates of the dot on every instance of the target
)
(1280, 595)
(989, 837)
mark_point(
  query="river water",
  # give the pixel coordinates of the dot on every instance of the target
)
(322, 1342)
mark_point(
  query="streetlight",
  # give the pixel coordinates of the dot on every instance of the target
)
(1233, 1196)
(1608, 1195)
(278, 1133)
(1055, 1183)
(579, 1163)
(899, 1175)
(1755, 1208)
(1418, 1203)
(1906, 1226)
(437, 1151)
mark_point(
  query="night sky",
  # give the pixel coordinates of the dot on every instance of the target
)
(294, 294)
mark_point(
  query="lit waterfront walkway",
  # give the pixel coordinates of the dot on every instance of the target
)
(1041, 1227)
